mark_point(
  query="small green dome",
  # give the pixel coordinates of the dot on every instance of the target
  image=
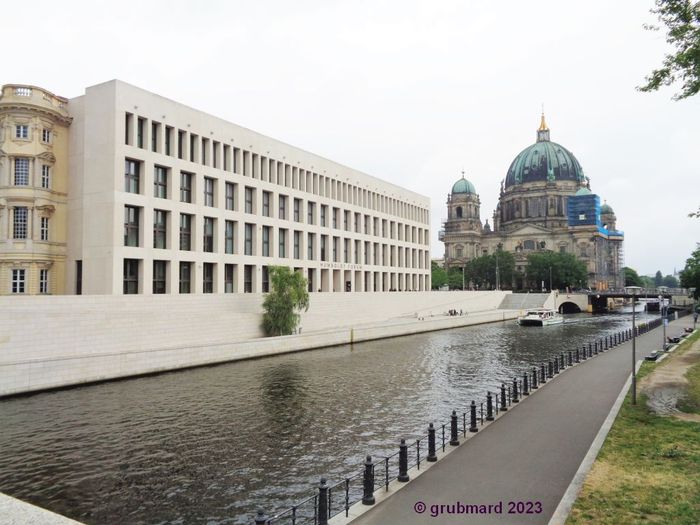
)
(582, 191)
(463, 186)
(606, 208)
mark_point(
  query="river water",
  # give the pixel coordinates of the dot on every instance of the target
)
(211, 445)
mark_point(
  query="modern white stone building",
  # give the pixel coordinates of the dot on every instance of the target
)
(162, 198)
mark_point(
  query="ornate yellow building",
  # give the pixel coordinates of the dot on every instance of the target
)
(33, 190)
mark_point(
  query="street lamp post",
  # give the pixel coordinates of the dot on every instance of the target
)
(498, 277)
(662, 307)
(634, 351)
(463, 266)
(550, 279)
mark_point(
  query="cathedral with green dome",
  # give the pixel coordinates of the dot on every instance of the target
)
(545, 204)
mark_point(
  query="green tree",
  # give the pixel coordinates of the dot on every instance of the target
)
(682, 21)
(632, 277)
(566, 270)
(658, 278)
(481, 271)
(690, 276)
(454, 278)
(647, 282)
(438, 275)
(287, 297)
(670, 281)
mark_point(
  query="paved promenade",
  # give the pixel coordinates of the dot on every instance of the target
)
(531, 454)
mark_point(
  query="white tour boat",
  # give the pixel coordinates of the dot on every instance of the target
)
(540, 317)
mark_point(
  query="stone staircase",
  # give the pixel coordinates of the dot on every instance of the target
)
(524, 301)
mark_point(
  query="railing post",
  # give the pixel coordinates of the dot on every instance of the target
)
(489, 406)
(432, 457)
(590, 350)
(556, 364)
(260, 518)
(515, 390)
(595, 347)
(403, 462)
(550, 370)
(562, 362)
(454, 438)
(503, 398)
(472, 419)
(368, 483)
(544, 376)
(323, 503)
(526, 390)
(534, 378)
(578, 357)
(571, 362)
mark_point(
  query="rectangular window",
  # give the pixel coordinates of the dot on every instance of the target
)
(310, 246)
(248, 240)
(22, 131)
(46, 135)
(185, 231)
(324, 239)
(185, 277)
(159, 270)
(160, 229)
(265, 279)
(19, 229)
(248, 278)
(21, 172)
(140, 124)
(230, 196)
(185, 186)
(45, 176)
(335, 217)
(209, 227)
(249, 199)
(155, 129)
(208, 278)
(346, 220)
(282, 207)
(297, 210)
(208, 191)
(131, 276)
(132, 175)
(43, 281)
(336, 242)
(229, 273)
(78, 277)
(346, 250)
(324, 213)
(44, 229)
(160, 182)
(18, 281)
(266, 241)
(128, 127)
(310, 212)
(228, 238)
(168, 140)
(131, 226)
(297, 245)
(266, 203)
(282, 243)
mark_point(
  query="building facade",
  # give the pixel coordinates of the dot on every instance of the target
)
(162, 198)
(545, 204)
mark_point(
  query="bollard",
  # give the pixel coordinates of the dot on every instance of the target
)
(454, 438)
(526, 391)
(432, 457)
(595, 347)
(489, 406)
(323, 503)
(550, 370)
(472, 422)
(562, 362)
(543, 379)
(503, 398)
(403, 462)
(534, 378)
(584, 356)
(260, 518)
(571, 363)
(368, 479)
(556, 365)
(515, 390)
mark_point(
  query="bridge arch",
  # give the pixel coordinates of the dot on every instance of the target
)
(567, 307)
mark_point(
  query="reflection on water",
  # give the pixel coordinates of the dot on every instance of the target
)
(211, 445)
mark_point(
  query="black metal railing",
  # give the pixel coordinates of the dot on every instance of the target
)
(331, 500)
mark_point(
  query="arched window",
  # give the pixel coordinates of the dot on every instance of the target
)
(458, 212)
(529, 245)
(459, 252)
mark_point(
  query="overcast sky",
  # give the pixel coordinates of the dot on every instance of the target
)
(410, 92)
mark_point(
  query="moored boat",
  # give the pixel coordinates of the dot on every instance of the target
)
(540, 317)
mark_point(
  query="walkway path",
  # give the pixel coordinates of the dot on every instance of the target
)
(530, 454)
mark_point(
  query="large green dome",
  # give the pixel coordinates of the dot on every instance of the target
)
(606, 208)
(463, 186)
(544, 161)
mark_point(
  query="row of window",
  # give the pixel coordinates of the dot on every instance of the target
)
(18, 282)
(208, 152)
(327, 216)
(385, 254)
(20, 224)
(22, 132)
(21, 173)
(185, 276)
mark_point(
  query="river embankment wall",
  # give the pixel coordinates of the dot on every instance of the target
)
(56, 341)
